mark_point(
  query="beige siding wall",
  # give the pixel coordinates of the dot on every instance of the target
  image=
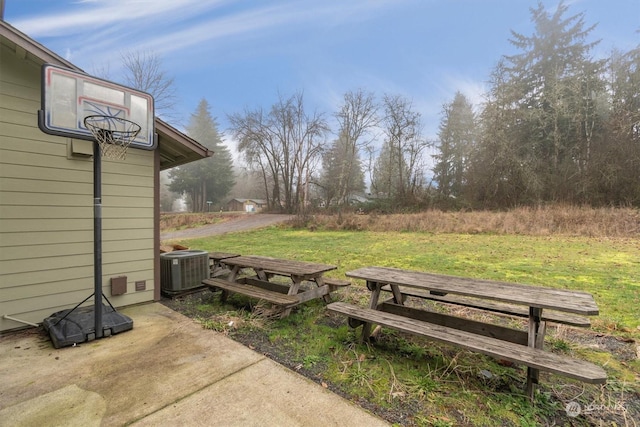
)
(46, 211)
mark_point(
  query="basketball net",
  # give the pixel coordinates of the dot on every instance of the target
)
(113, 134)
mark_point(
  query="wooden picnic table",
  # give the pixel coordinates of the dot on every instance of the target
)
(215, 262)
(495, 296)
(261, 286)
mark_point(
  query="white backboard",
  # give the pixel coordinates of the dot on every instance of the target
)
(68, 96)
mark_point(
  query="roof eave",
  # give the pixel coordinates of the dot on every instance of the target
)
(31, 46)
(177, 148)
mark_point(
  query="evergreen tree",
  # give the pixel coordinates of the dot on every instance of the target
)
(615, 171)
(538, 125)
(553, 76)
(496, 173)
(207, 180)
(167, 197)
(456, 139)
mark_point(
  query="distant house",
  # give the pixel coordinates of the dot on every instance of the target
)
(246, 205)
(46, 199)
(356, 199)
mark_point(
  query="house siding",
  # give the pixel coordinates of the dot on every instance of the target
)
(46, 211)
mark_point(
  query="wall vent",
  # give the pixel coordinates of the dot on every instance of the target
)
(183, 270)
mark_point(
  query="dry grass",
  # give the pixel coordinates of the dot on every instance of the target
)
(541, 221)
(172, 221)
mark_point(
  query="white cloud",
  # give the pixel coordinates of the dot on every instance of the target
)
(90, 30)
(89, 15)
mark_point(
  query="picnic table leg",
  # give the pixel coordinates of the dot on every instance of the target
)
(234, 273)
(320, 283)
(212, 267)
(215, 266)
(375, 288)
(293, 290)
(231, 278)
(537, 329)
(398, 298)
(262, 275)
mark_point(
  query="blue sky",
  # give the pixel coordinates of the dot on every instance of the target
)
(242, 54)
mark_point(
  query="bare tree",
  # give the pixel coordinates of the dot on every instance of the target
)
(342, 173)
(403, 129)
(615, 172)
(356, 119)
(285, 146)
(143, 71)
(260, 149)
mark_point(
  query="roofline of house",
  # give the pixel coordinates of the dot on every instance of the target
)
(32, 46)
(170, 131)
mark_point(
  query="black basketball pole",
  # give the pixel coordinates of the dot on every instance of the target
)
(97, 238)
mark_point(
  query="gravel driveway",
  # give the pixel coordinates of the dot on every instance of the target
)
(241, 223)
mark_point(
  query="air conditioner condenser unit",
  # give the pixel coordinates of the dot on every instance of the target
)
(183, 270)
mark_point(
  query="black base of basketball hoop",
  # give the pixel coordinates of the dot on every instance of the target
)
(75, 326)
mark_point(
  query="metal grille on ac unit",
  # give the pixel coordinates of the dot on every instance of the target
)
(183, 270)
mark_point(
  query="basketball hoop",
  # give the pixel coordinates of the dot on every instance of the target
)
(113, 134)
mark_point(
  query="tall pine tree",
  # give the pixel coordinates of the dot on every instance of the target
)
(539, 122)
(553, 76)
(456, 138)
(207, 180)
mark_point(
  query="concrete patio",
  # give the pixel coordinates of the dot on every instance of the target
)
(166, 371)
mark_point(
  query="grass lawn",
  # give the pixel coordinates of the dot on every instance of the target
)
(411, 381)
(607, 268)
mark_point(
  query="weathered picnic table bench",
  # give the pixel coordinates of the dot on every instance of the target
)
(260, 286)
(526, 347)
